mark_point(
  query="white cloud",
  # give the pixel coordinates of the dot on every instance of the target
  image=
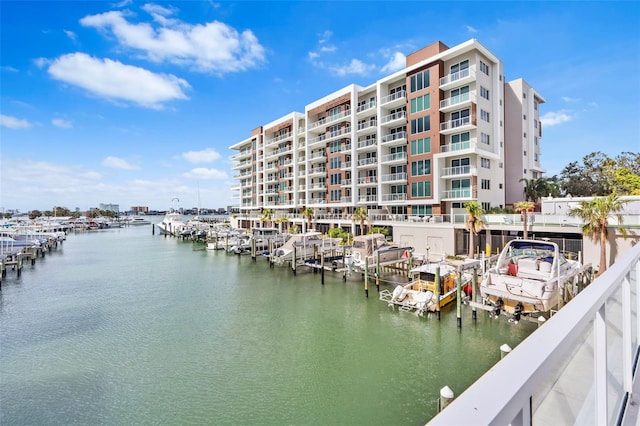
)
(116, 81)
(471, 29)
(313, 55)
(397, 62)
(328, 49)
(568, 99)
(59, 122)
(210, 47)
(205, 156)
(552, 118)
(8, 68)
(72, 36)
(356, 66)
(14, 123)
(325, 36)
(118, 163)
(204, 173)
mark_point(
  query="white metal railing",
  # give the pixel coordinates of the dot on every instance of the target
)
(398, 156)
(394, 137)
(394, 197)
(457, 170)
(366, 142)
(578, 368)
(459, 99)
(452, 124)
(395, 116)
(455, 76)
(394, 176)
(362, 126)
(400, 94)
(366, 106)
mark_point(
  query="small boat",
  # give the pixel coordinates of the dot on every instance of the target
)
(374, 248)
(306, 245)
(528, 277)
(419, 294)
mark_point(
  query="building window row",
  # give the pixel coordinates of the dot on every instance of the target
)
(421, 189)
(421, 146)
(420, 103)
(420, 81)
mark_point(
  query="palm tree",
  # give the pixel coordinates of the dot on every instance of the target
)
(266, 216)
(360, 214)
(595, 214)
(474, 223)
(524, 207)
(308, 213)
(530, 190)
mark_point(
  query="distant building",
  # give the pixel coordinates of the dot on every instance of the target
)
(139, 209)
(111, 207)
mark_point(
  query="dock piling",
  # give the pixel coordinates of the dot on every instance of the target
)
(459, 300)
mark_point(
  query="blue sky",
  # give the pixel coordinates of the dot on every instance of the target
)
(135, 103)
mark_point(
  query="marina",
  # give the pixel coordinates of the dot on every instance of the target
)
(123, 326)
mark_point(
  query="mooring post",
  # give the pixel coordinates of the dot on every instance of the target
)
(437, 291)
(459, 300)
(366, 276)
(253, 249)
(446, 397)
(322, 268)
(153, 229)
(474, 286)
(294, 261)
(378, 272)
(19, 266)
(226, 243)
(271, 246)
(504, 350)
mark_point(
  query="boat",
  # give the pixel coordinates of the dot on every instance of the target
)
(265, 239)
(374, 249)
(306, 244)
(419, 294)
(172, 223)
(529, 276)
(137, 220)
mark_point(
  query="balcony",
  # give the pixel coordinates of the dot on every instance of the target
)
(368, 199)
(317, 187)
(368, 180)
(318, 140)
(324, 121)
(346, 182)
(345, 199)
(457, 102)
(394, 138)
(397, 98)
(371, 161)
(367, 143)
(394, 197)
(366, 107)
(458, 171)
(457, 79)
(318, 156)
(455, 194)
(278, 139)
(457, 125)
(242, 165)
(394, 177)
(398, 157)
(245, 153)
(346, 148)
(317, 171)
(368, 126)
(392, 119)
(346, 165)
(283, 150)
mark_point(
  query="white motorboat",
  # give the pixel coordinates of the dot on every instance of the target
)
(373, 248)
(420, 295)
(306, 245)
(529, 276)
(172, 223)
(265, 239)
(137, 220)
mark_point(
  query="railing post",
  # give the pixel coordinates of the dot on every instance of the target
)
(600, 365)
(627, 350)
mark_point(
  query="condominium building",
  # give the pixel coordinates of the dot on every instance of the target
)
(444, 130)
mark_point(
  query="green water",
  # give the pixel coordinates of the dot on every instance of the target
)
(123, 327)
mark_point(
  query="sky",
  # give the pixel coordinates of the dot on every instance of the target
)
(137, 103)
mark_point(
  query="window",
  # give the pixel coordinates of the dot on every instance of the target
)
(422, 124)
(484, 93)
(459, 118)
(484, 68)
(525, 134)
(459, 70)
(335, 163)
(420, 189)
(485, 184)
(420, 81)
(524, 116)
(485, 163)
(484, 115)
(460, 141)
(535, 157)
(420, 103)
(336, 194)
(500, 186)
(334, 146)
(525, 152)
(335, 179)
(486, 206)
(421, 167)
(485, 139)
(421, 210)
(535, 123)
(421, 146)
(535, 106)
(535, 140)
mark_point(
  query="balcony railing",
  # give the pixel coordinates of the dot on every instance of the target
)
(368, 198)
(367, 180)
(394, 197)
(367, 161)
(395, 116)
(368, 124)
(394, 137)
(364, 107)
(394, 177)
(278, 138)
(452, 124)
(456, 146)
(451, 78)
(394, 96)
(457, 193)
(577, 368)
(458, 170)
(456, 100)
(367, 142)
(398, 156)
